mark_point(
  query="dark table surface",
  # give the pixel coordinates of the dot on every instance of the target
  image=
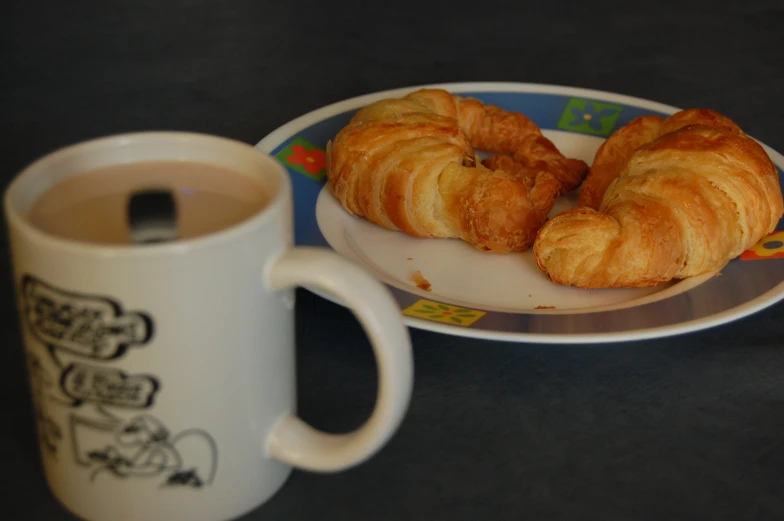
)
(690, 427)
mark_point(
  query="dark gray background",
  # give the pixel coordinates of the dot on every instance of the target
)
(683, 428)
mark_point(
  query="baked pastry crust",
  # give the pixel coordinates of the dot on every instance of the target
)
(615, 152)
(409, 164)
(682, 204)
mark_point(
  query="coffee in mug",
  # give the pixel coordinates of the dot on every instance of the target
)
(92, 206)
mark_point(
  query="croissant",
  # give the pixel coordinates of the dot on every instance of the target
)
(615, 152)
(682, 204)
(410, 165)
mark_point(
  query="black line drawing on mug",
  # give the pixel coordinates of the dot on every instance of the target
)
(108, 386)
(98, 328)
(86, 325)
(143, 447)
(49, 432)
(58, 367)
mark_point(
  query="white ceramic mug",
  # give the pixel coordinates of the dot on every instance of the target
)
(175, 398)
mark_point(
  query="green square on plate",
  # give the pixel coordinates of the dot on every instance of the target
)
(589, 117)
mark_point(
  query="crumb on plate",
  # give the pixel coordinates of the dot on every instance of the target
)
(544, 307)
(420, 281)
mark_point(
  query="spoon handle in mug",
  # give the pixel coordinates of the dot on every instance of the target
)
(295, 442)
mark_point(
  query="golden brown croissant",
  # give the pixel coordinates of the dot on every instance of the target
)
(682, 205)
(409, 164)
(615, 152)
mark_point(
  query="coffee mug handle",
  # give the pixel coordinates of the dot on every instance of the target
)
(295, 442)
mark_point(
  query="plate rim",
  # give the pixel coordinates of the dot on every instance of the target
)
(273, 139)
(768, 299)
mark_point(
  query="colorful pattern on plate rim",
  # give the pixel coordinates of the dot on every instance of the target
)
(445, 313)
(590, 117)
(304, 157)
(769, 247)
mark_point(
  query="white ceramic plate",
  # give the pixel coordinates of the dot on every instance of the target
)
(505, 297)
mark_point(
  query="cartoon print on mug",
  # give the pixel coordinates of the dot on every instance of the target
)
(97, 328)
(86, 325)
(107, 386)
(143, 446)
